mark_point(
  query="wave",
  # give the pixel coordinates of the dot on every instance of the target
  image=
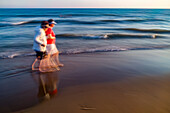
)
(108, 21)
(7, 55)
(57, 14)
(108, 36)
(77, 22)
(36, 15)
(147, 30)
(31, 16)
(4, 24)
(111, 15)
(112, 49)
(133, 20)
(26, 22)
(52, 15)
(79, 14)
(88, 50)
(144, 20)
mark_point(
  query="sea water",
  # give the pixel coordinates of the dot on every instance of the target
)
(85, 30)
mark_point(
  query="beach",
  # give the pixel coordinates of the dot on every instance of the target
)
(136, 81)
(116, 60)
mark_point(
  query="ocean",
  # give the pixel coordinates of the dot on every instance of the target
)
(85, 30)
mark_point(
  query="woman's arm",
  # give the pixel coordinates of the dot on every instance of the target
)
(37, 38)
(50, 36)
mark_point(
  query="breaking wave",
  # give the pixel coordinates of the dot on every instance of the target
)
(4, 24)
(147, 30)
(8, 55)
(108, 36)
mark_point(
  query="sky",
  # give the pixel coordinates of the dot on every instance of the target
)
(85, 4)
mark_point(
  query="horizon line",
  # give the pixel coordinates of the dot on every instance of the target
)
(76, 8)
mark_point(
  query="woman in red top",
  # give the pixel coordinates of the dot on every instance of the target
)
(51, 47)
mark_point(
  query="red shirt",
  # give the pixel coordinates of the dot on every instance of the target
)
(50, 31)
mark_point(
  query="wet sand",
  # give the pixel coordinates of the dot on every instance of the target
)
(120, 82)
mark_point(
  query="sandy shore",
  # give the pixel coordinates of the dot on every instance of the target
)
(118, 82)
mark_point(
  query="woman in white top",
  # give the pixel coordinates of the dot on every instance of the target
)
(40, 43)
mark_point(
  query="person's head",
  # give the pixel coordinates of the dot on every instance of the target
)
(45, 25)
(52, 22)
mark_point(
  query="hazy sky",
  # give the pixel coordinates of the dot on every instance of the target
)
(85, 3)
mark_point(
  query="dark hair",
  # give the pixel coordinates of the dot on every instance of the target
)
(50, 20)
(43, 23)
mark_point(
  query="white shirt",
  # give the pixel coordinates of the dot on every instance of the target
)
(39, 38)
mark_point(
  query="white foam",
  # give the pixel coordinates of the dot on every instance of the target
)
(19, 23)
(5, 55)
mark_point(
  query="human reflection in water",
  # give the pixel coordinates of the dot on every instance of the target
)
(47, 85)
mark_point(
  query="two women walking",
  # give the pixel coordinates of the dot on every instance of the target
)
(46, 51)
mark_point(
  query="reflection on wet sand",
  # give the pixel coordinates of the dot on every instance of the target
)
(47, 85)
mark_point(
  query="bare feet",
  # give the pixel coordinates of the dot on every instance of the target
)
(60, 65)
(58, 69)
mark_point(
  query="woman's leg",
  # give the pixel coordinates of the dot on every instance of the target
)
(56, 58)
(33, 64)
